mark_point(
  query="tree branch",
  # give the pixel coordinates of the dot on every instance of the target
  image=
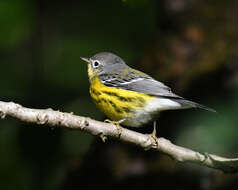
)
(104, 130)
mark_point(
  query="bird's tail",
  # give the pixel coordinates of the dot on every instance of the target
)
(189, 104)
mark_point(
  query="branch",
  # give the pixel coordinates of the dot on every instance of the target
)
(104, 130)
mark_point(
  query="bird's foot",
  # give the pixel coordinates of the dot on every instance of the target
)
(153, 134)
(116, 124)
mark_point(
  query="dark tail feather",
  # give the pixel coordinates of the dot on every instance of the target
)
(193, 104)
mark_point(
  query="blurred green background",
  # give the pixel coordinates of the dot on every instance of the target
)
(192, 46)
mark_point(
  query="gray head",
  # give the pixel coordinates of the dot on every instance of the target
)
(103, 62)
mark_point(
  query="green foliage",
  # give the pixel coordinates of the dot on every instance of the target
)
(16, 20)
(213, 133)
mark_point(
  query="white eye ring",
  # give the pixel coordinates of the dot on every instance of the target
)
(96, 64)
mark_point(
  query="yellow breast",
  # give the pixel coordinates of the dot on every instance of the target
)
(117, 103)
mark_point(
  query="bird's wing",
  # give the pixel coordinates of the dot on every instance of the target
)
(137, 81)
(140, 82)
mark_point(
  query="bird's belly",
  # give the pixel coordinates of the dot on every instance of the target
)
(150, 111)
(137, 108)
(116, 106)
(136, 115)
(117, 103)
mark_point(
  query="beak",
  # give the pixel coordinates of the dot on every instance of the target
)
(85, 59)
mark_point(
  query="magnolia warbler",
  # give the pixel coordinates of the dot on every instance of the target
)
(127, 95)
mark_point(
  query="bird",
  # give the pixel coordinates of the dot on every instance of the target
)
(128, 96)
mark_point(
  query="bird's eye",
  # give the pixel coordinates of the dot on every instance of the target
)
(95, 64)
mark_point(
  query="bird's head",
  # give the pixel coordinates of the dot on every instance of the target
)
(102, 63)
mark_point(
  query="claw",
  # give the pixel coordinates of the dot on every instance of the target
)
(116, 123)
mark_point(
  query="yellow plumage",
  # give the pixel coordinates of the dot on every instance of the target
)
(117, 103)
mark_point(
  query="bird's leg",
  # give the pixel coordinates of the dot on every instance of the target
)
(116, 123)
(153, 134)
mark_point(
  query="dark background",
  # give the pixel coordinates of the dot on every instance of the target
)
(192, 46)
